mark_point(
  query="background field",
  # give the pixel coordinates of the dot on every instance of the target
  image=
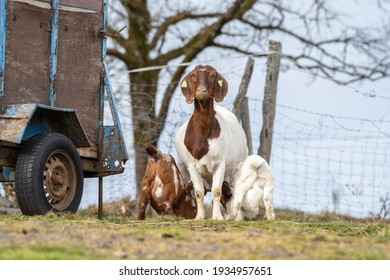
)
(293, 235)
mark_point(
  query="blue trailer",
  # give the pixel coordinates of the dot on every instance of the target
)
(53, 88)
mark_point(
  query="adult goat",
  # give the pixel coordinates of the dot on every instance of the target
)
(212, 143)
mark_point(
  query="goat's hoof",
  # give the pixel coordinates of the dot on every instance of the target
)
(272, 217)
(199, 217)
(218, 217)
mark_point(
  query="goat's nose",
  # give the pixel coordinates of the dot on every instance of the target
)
(201, 89)
(201, 92)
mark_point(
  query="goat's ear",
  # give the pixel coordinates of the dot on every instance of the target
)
(187, 90)
(226, 190)
(188, 186)
(220, 88)
(153, 152)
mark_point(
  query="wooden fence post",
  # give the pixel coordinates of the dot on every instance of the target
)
(269, 102)
(241, 108)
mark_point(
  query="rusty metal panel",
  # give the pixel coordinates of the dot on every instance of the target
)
(95, 5)
(52, 119)
(13, 122)
(21, 121)
(112, 156)
(79, 67)
(27, 52)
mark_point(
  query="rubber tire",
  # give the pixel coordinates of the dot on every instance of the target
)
(29, 172)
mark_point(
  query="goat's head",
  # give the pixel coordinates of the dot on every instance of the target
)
(226, 195)
(202, 83)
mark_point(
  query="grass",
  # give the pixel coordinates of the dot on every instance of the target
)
(293, 235)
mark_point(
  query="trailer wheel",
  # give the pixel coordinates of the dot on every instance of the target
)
(48, 175)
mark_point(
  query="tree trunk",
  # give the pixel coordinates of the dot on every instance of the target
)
(143, 92)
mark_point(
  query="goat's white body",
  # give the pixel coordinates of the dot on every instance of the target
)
(252, 191)
(219, 164)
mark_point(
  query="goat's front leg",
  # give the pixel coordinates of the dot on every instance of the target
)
(216, 191)
(197, 181)
(169, 199)
(168, 208)
(143, 202)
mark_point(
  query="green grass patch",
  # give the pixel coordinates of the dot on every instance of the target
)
(293, 235)
(43, 252)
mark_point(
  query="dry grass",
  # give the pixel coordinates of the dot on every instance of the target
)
(293, 235)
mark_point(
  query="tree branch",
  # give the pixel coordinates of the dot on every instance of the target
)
(197, 44)
(172, 20)
(228, 47)
(117, 54)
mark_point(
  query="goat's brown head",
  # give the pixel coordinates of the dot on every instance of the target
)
(227, 194)
(202, 83)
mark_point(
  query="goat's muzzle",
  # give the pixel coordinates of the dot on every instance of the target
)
(202, 93)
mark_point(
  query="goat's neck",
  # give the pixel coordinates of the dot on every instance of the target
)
(202, 126)
(203, 119)
(204, 107)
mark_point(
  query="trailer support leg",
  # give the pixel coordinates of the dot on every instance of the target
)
(100, 200)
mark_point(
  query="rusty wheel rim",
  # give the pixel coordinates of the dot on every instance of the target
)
(59, 180)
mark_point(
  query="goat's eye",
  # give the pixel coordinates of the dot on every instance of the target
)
(212, 76)
(193, 78)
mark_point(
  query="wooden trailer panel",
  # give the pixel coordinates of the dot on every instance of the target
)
(26, 54)
(77, 83)
(79, 67)
(95, 5)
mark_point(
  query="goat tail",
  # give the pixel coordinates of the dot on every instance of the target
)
(261, 167)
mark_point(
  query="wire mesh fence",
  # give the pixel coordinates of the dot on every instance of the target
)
(331, 163)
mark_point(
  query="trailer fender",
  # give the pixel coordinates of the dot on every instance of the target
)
(19, 122)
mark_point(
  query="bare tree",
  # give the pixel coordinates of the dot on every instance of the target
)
(159, 32)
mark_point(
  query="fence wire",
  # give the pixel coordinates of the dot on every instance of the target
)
(321, 162)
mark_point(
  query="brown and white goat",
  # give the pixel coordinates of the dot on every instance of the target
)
(212, 143)
(164, 188)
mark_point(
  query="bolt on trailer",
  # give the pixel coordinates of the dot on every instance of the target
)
(53, 88)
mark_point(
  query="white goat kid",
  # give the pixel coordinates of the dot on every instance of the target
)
(212, 142)
(252, 191)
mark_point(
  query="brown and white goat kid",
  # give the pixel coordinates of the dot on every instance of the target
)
(164, 188)
(212, 143)
(251, 196)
